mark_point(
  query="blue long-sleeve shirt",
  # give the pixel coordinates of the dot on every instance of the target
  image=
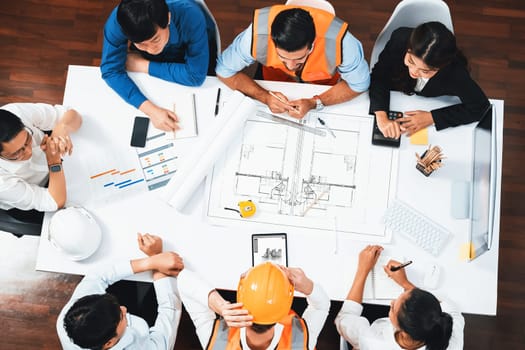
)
(187, 46)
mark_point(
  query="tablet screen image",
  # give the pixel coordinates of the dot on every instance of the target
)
(270, 247)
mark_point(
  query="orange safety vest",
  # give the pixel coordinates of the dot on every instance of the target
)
(294, 335)
(320, 66)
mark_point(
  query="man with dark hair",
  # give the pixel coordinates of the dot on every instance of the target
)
(303, 44)
(262, 317)
(31, 176)
(170, 40)
(93, 319)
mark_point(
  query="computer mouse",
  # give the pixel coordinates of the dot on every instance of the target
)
(432, 275)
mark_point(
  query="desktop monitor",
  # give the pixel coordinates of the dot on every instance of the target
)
(483, 185)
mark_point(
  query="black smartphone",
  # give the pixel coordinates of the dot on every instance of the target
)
(269, 247)
(377, 136)
(140, 131)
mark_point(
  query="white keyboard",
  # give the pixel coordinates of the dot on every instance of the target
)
(405, 220)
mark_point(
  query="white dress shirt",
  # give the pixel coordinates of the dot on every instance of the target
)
(380, 335)
(194, 294)
(420, 84)
(137, 334)
(21, 182)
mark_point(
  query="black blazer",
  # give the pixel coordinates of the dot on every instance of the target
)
(390, 73)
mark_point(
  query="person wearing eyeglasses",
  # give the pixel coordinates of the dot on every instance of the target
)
(32, 180)
(424, 61)
(296, 44)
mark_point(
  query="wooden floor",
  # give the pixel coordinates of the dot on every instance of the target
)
(40, 38)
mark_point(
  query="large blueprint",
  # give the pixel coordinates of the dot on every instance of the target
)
(302, 180)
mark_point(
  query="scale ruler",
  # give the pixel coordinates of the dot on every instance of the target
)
(278, 119)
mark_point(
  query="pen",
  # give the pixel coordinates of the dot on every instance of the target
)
(283, 101)
(217, 102)
(399, 267)
(323, 123)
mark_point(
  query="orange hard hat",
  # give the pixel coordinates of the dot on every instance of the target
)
(266, 293)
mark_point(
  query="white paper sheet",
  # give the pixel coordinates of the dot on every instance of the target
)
(306, 181)
(209, 147)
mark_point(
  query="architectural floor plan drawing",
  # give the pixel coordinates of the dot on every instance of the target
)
(303, 180)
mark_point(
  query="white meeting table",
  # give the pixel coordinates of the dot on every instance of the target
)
(221, 254)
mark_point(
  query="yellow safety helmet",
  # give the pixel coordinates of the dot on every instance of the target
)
(266, 293)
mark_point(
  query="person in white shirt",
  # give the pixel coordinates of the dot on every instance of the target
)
(417, 319)
(262, 317)
(93, 319)
(31, 174)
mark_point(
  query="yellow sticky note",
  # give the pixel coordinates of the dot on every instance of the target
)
(420, 137)
(467, 251)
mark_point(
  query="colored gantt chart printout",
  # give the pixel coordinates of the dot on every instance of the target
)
(115, 181)
(114, 176)
(158, 159)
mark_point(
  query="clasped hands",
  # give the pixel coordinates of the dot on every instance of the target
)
(56, 146)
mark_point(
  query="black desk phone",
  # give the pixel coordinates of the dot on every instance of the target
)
(377, 136)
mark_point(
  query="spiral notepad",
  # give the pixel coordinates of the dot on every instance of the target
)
(378, 285)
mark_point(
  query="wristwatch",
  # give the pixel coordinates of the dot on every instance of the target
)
(55, 168)
(318, 103)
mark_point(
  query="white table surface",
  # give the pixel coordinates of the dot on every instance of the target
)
(221, 254)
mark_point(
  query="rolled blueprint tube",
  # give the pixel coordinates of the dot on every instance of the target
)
(210, 146)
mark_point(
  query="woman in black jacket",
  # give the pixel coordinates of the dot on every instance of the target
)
(425, 61)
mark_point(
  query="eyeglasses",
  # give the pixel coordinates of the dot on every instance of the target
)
(19, 153)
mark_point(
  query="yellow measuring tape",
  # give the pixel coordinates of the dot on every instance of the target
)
(246, 208)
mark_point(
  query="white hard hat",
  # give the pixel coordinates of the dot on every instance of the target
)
(75, 233)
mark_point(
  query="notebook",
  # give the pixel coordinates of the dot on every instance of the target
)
(378, 285)
(185, 108)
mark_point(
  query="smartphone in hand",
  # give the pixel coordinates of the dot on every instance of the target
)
(140, 131)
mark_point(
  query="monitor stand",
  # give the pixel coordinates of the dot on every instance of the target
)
(460, 199)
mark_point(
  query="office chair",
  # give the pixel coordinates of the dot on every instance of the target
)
(411, 13)
(18, 227)
(320, 4)
(214, 43)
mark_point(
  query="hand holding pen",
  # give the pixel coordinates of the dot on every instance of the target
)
(401, 266)
(278, 103)
(396, 271)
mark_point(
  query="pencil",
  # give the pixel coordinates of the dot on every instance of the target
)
(283, 101)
